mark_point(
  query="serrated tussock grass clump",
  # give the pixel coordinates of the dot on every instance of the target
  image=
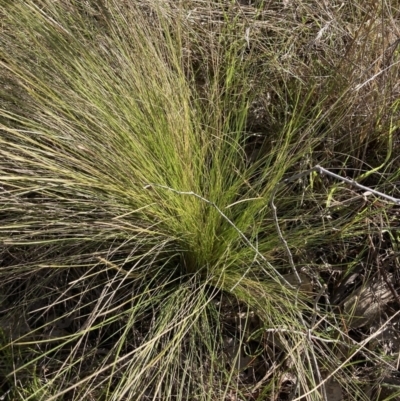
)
(140, 256)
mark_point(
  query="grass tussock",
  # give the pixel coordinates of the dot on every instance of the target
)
(150, 246)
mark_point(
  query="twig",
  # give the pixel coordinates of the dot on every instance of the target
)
(322, 170)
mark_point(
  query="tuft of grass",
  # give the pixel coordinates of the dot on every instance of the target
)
(140, 256)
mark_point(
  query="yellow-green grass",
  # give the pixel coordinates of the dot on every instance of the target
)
(131, 209)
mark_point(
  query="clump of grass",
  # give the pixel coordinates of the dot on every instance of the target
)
(135, 221)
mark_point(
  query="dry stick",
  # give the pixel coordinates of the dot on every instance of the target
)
(320, 170)
(245, 239)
